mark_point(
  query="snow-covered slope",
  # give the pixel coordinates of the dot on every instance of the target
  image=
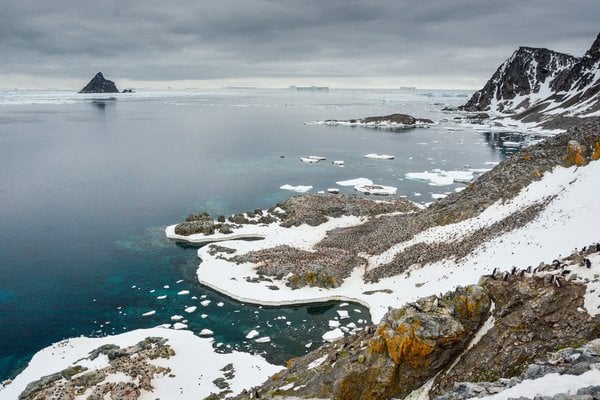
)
(537, 85)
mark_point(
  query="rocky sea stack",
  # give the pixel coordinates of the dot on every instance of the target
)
(99, 84)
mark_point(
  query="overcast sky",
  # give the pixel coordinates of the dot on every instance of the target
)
(341, 43)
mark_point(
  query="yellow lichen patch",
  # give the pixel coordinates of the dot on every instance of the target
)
(290, 362)
(407, 346)
(579, 160)
(527, 157)
(537, 173)
(596, 154)
(376, 345)
(575, 155)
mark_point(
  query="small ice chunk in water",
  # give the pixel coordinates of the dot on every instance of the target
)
(179, 325)
(176, 317)
(162, 297)
(149, 313)
(221, 304)
(252, 334)
(190, 309)
(183, 292)
(206, 332)
(334, 324)
(264, 339)
(343, 314)
(205, 302)
(333, 335)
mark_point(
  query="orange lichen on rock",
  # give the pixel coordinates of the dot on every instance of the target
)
(596, 154)
(575, 154)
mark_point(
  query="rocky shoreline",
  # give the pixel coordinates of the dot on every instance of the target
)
(473, 341)
(396, 221)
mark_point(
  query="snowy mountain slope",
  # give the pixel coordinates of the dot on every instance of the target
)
(539, 85)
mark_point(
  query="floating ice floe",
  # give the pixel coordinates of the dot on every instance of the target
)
(206, 332)
(183, 292)
(179, 325)
(333, 335)
(376, 189)
(343, 314)
(264, 339)
(220, 304)
(299, 188)
(354, 182)
(252, 334)
(308, 345)
(334, 324)
(378, 156)
(438, 195)
(190, 309)
(338, 162)
(203, 316)
(438, 177)
(161, 297)
(312, 159)
(176, 317)
(149, 313)
(205, 303)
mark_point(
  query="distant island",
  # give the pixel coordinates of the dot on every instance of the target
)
(99, 84)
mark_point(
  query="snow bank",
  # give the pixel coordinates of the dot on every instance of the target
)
(188, 378)
(570, 212)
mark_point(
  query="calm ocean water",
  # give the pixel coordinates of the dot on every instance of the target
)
(88, 185)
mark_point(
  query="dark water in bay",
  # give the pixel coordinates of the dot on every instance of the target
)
(87, 187)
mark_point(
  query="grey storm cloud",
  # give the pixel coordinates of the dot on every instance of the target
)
(226, 39)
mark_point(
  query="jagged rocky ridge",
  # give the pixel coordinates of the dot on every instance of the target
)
(99, 84)
(469, 341)
(543, 86)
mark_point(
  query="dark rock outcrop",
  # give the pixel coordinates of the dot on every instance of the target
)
(385, 121)
(99, 84)
(553, 89)
(521, 75)
(410, 345)
(490, 332)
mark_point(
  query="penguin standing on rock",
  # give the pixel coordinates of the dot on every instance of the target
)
(493, 275)
(513, 270)
(588, 263)
(597, 247)
(505, 276)
(555, 264)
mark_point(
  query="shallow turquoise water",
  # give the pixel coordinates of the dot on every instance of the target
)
(87, 187)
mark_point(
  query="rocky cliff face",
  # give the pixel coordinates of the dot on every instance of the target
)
(540, 85)
(100, 85)
(469, 341)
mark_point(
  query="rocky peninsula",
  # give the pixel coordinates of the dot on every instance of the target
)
(392, 121)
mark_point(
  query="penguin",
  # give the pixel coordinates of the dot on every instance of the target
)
(598, 247)
(529, 269)
(513, 270)
(522, 273)
(557, 282)
(555, 263)
(588, 263)
(505, 276)
(493, 275)
(436, 302)
(583, 250)
(565, 272)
